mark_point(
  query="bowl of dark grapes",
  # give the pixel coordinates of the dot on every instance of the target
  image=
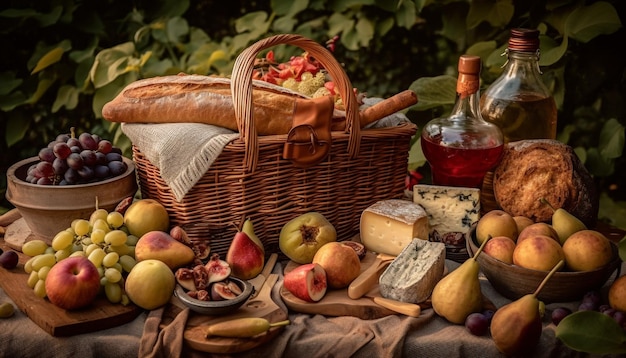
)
(68, 179)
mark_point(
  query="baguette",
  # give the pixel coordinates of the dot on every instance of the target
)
(200, 99)
(207, 99)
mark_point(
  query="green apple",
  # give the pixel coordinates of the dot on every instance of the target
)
(150, 284)
(302, 236)
(146, 215)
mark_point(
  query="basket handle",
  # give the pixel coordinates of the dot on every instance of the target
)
(241, 89)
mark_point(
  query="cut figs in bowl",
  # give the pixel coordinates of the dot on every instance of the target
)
(513, 281)
(217, 307)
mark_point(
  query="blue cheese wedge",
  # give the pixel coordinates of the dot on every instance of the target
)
(387, 226)
(453, 213)
(412, 275)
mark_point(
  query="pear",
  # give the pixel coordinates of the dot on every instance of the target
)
(248, 228)
(517, 326)
(160, 245)
(564, 223)
(245, 257)
(458, 294)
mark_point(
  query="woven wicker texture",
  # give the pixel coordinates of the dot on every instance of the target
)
(250, 179)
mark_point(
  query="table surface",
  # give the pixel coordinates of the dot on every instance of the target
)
(308, 334)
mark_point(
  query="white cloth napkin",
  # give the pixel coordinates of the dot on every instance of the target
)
(183, 152)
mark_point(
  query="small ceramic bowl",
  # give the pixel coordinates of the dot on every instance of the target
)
(513, 281)
(216, 308)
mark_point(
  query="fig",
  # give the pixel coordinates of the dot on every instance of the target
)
(185, 278)
(124, 204)
(221, 291)
(218, 269)
(180, 235)
(358, 247)
(202, 250)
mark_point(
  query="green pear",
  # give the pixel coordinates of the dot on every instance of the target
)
(248, 228)
(458, 294)
(517, 326)
(564, 223)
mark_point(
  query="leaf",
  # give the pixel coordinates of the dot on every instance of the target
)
(15, 129)
(100, 74)
(434, 91)
(611, 143)
(339, 23)
(598, 165)
(406, 14)
(15, 99)
(482, 49)
(8, 82)
(498, 14)
(44, 19)
(42, 87)
(107, 93)
(289, 8)
(177, 28)
(51, 57)
(365, 31)
(252, 22)
(66, 96)
(551, 52)
(592, 332)
(587, 22)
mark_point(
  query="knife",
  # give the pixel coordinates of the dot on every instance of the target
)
(369, 278)
(259, 280)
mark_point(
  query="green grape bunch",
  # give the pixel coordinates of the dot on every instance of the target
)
(103, 239)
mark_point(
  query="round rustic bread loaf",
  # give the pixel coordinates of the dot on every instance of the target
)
(543, 168)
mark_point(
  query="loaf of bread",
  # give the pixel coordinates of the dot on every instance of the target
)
(200, 99)
(542, 168)
(207, 99)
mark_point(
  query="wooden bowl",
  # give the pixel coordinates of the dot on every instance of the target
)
(48, 209)
(513, 281)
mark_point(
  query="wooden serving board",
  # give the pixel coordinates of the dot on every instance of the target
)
(260, 306)
(337, 303)
(58, 322)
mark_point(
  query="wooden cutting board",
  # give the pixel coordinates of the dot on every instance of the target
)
(337, 303)
(58, 322)
(260, 306)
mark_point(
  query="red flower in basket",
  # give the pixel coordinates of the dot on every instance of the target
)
(412, 178)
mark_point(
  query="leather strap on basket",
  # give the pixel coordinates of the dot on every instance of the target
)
(309, 139)
(241, 89)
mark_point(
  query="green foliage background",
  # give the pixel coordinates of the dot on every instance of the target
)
(65, 58)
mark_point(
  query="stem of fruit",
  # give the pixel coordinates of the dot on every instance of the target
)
(545, 280)
(481, 247)
(280, 323)
(544, 201)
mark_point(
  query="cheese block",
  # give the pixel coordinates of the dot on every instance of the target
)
(387, 226)
(412, 275)
(453, 213)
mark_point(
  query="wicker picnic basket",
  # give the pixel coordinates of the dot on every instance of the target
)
(250, 178)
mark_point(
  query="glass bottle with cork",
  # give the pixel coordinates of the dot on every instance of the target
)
(462, 146)
(518, 101)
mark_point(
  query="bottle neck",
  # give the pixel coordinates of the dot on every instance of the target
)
(467, 104)
(520, 60)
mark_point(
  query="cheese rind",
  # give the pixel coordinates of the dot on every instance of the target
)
(387, 226)
(453, 213)
(412, 276)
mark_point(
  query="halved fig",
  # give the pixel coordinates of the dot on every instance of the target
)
(185, 278)
(218, 269)
(201, 250)
(222, 289)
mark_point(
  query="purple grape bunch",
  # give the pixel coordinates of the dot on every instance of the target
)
(71, 160)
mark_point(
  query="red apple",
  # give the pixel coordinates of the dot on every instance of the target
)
(307, 282)
(73, 283)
